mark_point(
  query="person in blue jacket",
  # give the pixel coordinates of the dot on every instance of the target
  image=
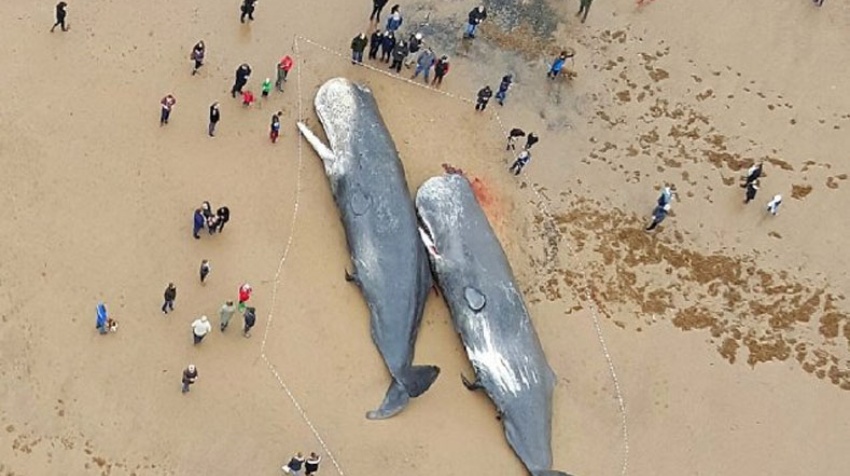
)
(102, 318)
(394, 21)
(198, 224)
(559, 63)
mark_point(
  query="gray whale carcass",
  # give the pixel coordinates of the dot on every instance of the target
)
(390, 263)
(488, 311)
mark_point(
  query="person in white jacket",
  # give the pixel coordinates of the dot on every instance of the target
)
(200, 328)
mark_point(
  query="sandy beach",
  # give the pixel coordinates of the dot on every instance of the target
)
(718, 345)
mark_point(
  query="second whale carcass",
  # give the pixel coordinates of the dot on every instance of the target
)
(389, 262)
(488, 312)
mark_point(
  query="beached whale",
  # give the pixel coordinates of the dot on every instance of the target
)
(390, 263)
(488, 311)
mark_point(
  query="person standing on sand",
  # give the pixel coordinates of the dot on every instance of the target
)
(247, 98)
(441, 69)
(484, 96)
(395, 20)
(244, 295)
(399, 54)
(198, 224)
(190, 374)
(521, 161)
(513, 135)
(377, 6)
(166, 104)
(294, 465)
(248, 7)
(205, 270)
(584, 8)
(818, 2)
(753, 174)
(274, 128)
(60, 16)
(215, 116)
(266, 88)
(666, 195)
(243, 72)
(225, 313)
(414, 44)
(387, 45)
(223, 214)
(197, 56)
(424, 63)
(530, 141)
(250, 318)
(375, 43)
(476, 16)
(311, 466)
(658, 215)
(102, 318)
(558, 64)
(358, 45)
(169, 295)
(283, 68)
(502, 93)
(752, 189)
(773, 205)
(200, 328)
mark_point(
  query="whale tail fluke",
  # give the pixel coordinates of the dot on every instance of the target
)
(418, 379)
(549, 472)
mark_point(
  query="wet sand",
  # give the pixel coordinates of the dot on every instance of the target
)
(728, 329)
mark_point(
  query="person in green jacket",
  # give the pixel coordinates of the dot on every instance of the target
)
(585, 9)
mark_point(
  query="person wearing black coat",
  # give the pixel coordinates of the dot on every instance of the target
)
(375, 43)
(399, 55)
(377, 6)
(387, 45)
(484, 96)
(223, 214)
(250, 317)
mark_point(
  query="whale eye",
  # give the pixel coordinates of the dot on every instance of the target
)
(474, 298)
(359, 203)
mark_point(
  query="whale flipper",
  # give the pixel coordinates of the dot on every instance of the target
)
(324, 152)
(394, 401)
(418, 379)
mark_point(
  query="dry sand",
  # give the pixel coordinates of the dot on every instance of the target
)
(98, 202)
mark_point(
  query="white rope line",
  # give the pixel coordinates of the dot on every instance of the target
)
(282, 261)
(542, 201)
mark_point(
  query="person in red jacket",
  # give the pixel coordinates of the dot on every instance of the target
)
(282, 71)
(441, 68)
(244, 295)
(247, 98)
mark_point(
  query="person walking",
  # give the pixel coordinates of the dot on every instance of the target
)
(521, 161)
(274, 127)
(387, 45)
(441, 69)
(752, 189)
(205, 270)
(283, 68)
(215, 116)
(395, 20)
(753, 174)
(248, 7)
(377, 6)
(530, 141)
(658, 215)
(476, 16)
(166, 104)
(197, 55)
(558, 64)
(414, 44)
(243, 72)
(399, 54)
(244, 295)
(424, 63)
(375, 43)
(295, 463)
(200, 328)
(266, 88)
(358, 45)
(311, 466)
(190, 374)
(61, 13)
(198, 223)
(250, 318)
(223, 214)
(502, 93)
(169, 295)
(484, 96)
(585, 9)
(101, 318)
(666, 195)
(513, 135)
(225, 313)
(773, 205)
